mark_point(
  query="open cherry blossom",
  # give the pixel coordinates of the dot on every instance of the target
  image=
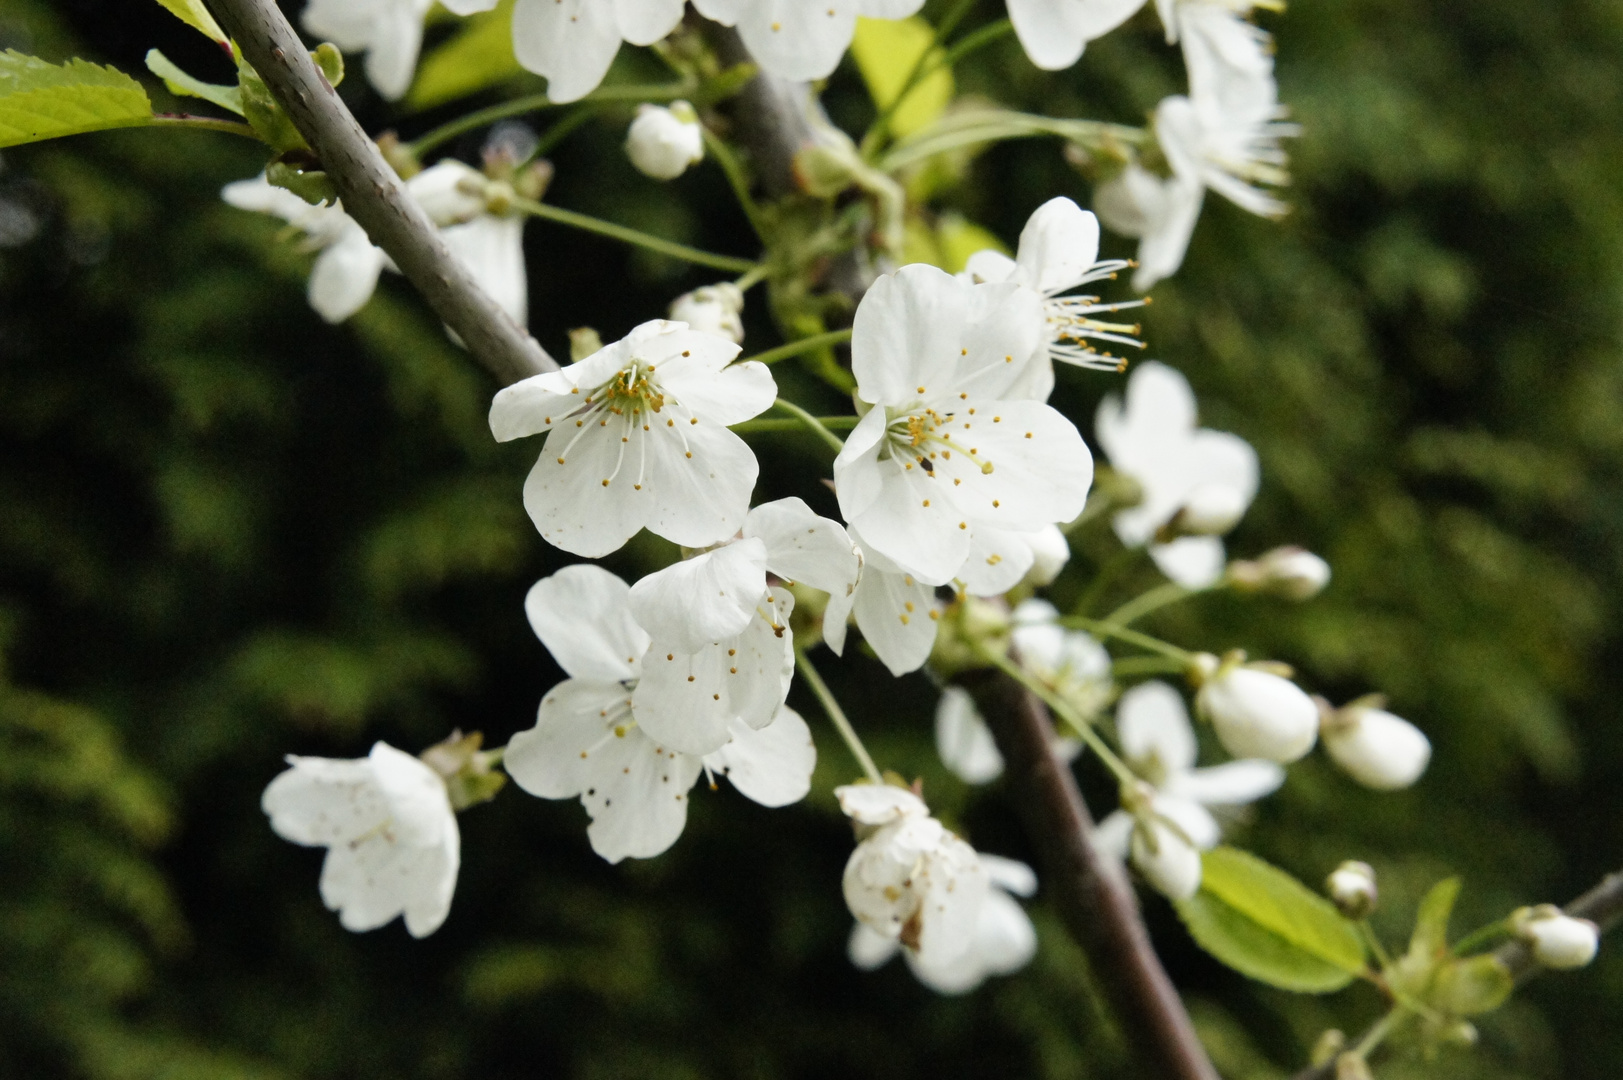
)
(1004, 941)
(637, 436)
(391, 835)
(942, 452)
(909, 879)
(490, 244)
(346, 271)
(1158, 743)
(800, 39)
(573, 42)
(1160, 211)
(1059, 249)
(1192, 480)
(589, 741)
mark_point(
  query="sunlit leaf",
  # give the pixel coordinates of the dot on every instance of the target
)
(40, 100)
(1264, 923)
(184, 85)
(480, 55)
(195, 15)
(886, 51)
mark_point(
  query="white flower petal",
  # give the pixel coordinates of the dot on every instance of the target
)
(492, 248)
(1195, 562)
(1192, 819)
(868, 949)
(998, 561)
(571, 42)
(915, 523)
(879, 804)
(1259, 715)
(643, 22)
(963, 740)
(637, 796)
(578, 718)
(344, 276)
(797, 39)
(773, 766)
(1114, 833)
(582, 614)
(858, 479)
(701, 481)
(989, 265)
(1010, 875)
(1167, 861)
(897, 616)
(1058, 246)
(730, 396)
(1005, 940)
(906, 323)
(1153, 726)
(571, 505)
(1040, 469)
(701, 600)
(1053, 32)
(804, 547)
(1233, 783)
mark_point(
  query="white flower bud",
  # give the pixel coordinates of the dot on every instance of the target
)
(1352, 886)
(1375, 748)
(1050, 552)
(1168, 861)
(663, 142)
(1557, 940)
(713, 309)
(1292, 572)
(1257, 714)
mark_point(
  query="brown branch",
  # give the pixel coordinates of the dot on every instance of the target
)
(1090, 891)
(1602, 905)
(373, 195)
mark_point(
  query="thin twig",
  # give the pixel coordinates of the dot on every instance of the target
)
(836, 716)
(805, 344)
(627, 235)
(373, 194)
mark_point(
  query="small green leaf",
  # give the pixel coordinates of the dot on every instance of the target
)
(184, 85)
(330, 61)
(1475, 985)
(886, 51)
(1265, 924)
(1431, 923)
(196, 16)
(477, 57)
(311, 185)
(40, 100)
(264, 113)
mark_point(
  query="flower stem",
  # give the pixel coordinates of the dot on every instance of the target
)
(634, 236)
(1104, 629)
(736, 180)
(204, 123)
(1147, 665)
(833, 423)
(836, 716)
(558, 131)
(1159, 597)
(809, 421)
(1083, 729)
(956, 131)
(1107, 575)
(1480, 937)
(1374, 943)
(519, 106)
(806, 344)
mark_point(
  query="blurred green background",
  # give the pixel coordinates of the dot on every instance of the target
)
(229, 532)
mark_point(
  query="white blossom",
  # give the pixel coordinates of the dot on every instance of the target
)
(1557, 940)
(720, 651)
(588, 740)
(800, 39)
(942, 454)
(1004, 941)
(346, 270)
(909, 879)
(1374, 747)
(1165, 855)
(1058, 252)
(573, 42)
(662, 142)
(1153, 438)
(390, 32)
(712, 309)
(897, 614)
(1158, 744)
(963, 740)
(641, 440)
(490, 245)
(1054, 32)
(1160, 211)
(1256, 713)
(391, 836)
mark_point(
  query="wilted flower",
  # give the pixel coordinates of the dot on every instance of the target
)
(663, 142)
(391, 836)
(641, 440)
(588, 740)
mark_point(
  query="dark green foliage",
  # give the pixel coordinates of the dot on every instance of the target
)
(231, 532)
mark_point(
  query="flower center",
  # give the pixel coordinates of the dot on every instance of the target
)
(926, 435)
(1072, 326)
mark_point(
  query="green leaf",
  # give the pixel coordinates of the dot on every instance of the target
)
(264, 113)
(40, 100)
(1265, 924)
(1431, 923)
(886, 51)
(196, 16)
(479, 56)
(184, 85)
(1475, 985)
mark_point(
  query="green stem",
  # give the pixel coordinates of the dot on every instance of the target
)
(877, 131)
(833, 423)
(976, 40)
(205, 123)
(1081, 727)
(1103, 629)
(530, 103)
(1374, 942)
(1159, 597)
(836, 715)
(811, 422)
(634, 236)
(730, 167)
(1377, 1034)
(557, 132)
(806, 344)
(1480, 937)
(1147, 665)
(1107, 575)
(959, 130)
(748, 281)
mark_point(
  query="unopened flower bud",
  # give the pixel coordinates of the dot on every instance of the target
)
(1256, 713)
(1292, 572)
(1352, 886)
(1557, 939)
(663, 142)
(713, 309)
(1166, 859)
(1050, 553)
(1374, 747)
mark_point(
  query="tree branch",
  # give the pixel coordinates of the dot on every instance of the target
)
(1602, 905)
(1090, 891)
(373, 195)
